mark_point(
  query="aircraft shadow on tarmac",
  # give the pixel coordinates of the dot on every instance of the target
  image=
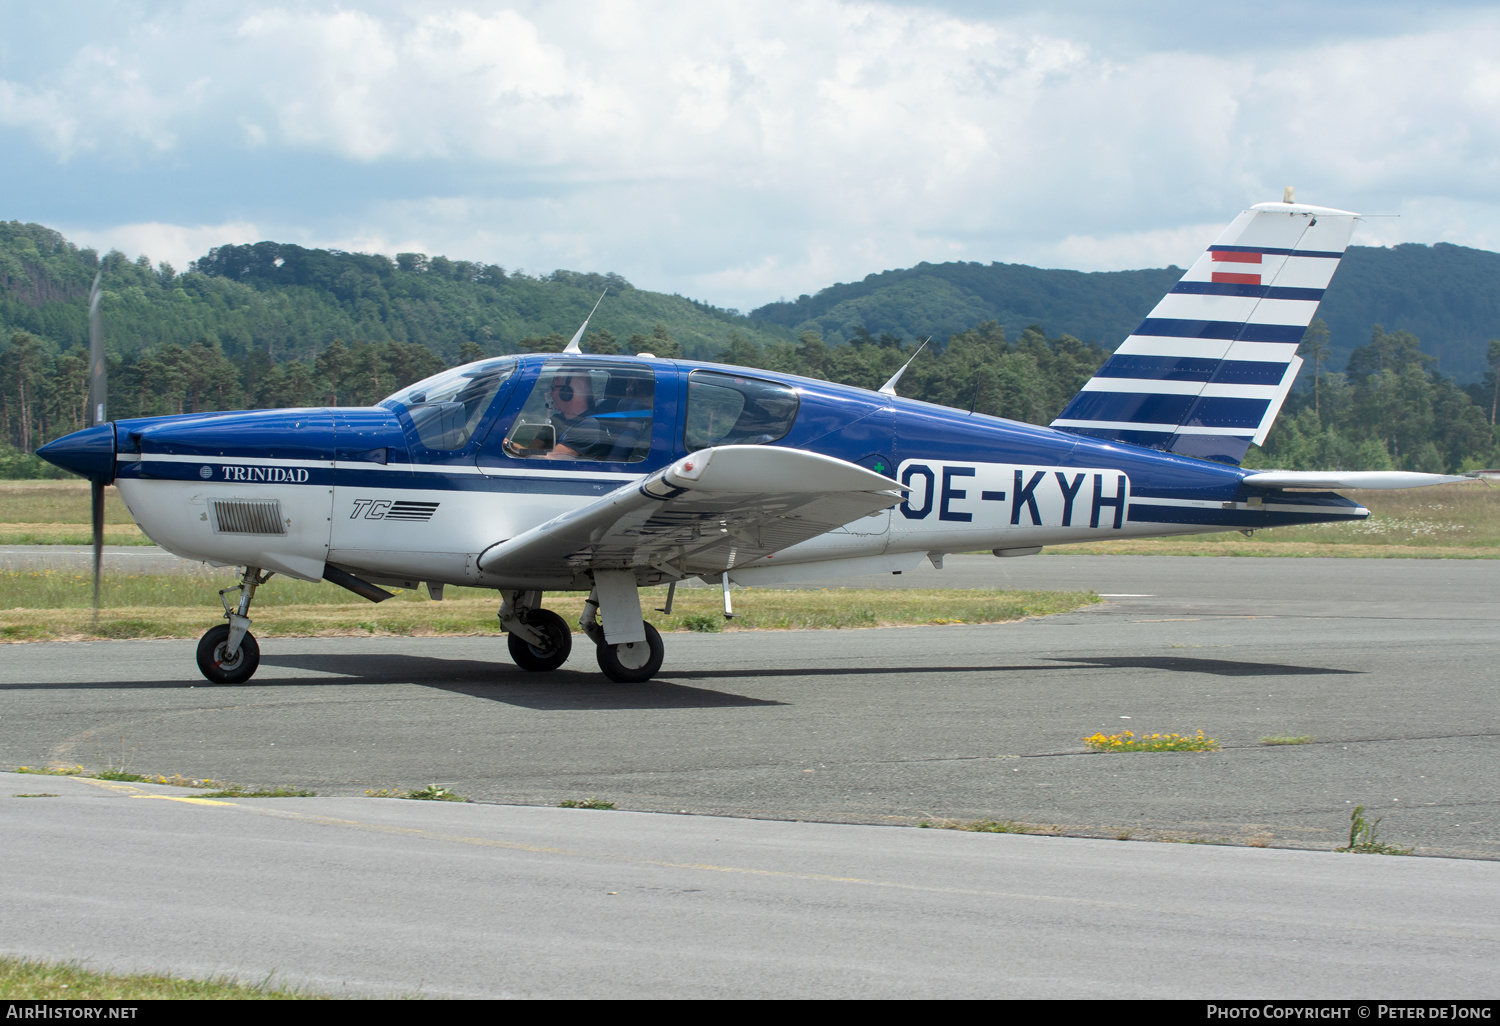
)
(564, 689)
(501, 682)
(496, 682)
(1192, 664)
(1178, 664)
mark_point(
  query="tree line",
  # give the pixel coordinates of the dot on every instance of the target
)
(272, 325)
(43, 394)
(1388, 409)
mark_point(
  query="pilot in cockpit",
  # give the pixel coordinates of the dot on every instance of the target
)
(579, 433)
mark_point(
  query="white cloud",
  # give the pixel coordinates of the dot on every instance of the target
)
(756, 149)
(177, 245)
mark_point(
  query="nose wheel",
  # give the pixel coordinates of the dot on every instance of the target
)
(220, 667)
(556, 641)
(228, 653)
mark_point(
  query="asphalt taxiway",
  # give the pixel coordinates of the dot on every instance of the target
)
(364, 896)
(1388, 665)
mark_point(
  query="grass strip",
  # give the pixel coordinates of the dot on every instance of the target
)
(69, 534)
(44, 617)
(986, 826)
(24, 979)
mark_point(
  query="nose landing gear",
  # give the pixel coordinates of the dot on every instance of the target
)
(229, 653)
(538, 639)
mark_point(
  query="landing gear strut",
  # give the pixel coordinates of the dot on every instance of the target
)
(538, 639)
(229, 653)
(629, 650)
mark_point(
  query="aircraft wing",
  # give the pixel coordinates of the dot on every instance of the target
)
(1348, 479)
(706, 513)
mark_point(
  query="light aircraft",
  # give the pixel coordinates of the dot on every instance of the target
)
(605, 474)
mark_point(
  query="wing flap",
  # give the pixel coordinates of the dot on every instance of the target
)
(706, 513)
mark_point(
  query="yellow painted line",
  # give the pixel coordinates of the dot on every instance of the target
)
(135, 792)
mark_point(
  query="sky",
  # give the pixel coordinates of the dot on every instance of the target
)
(741, 153)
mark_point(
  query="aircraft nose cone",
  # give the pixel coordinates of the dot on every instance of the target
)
(88, 453)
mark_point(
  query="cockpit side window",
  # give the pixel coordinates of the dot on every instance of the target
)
(583, 410)
(446, 408)
(726, 409)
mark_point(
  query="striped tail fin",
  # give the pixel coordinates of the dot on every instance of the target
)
(1207, 371)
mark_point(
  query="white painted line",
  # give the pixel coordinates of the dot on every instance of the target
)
(1124, 595)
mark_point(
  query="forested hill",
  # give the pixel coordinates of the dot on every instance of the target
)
(274, 325)
(291, 302)
(1448, 296)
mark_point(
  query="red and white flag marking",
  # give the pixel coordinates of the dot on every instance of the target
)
(1237, 269)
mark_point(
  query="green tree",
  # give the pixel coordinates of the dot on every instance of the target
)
(1493, 355)
(1315, 348)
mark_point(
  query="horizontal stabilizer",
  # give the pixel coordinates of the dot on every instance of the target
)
(1348, 479)
(708, 512)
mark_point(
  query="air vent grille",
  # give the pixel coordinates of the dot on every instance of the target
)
(248, 516)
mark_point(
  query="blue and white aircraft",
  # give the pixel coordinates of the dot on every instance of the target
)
(604, 474)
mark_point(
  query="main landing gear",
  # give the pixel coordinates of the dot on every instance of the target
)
(228, 653)
(628, 649)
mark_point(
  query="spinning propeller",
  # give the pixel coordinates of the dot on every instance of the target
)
(97, 391)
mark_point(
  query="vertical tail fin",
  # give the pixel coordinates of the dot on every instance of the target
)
(1207, 371)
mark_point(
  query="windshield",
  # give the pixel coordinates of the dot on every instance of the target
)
(446, 408)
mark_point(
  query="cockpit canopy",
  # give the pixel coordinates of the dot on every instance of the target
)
(447, 407)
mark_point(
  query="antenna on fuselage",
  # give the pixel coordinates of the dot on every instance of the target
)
(889, 388)
(572, 347)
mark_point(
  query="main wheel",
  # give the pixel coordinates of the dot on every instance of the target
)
(633, 662)
(559, 642)
(221, 670)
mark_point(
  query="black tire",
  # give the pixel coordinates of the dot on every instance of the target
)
(216, 668)
(559, 642)
(609, 660)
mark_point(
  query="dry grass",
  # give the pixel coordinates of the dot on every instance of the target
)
(57, 513)
(1453, 521)
(171, 606)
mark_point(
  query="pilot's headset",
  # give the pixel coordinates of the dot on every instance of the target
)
(564, 385)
